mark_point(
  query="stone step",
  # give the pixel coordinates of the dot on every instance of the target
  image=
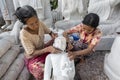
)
(15, 69)
(5, 43)
(8, 58)
(105, 43)
(24, 75)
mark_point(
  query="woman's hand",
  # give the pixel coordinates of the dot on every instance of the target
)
(69, 46)
(72, 55)
(54, 35)
(52, 49)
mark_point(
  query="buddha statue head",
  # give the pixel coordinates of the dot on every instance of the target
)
(60, 43)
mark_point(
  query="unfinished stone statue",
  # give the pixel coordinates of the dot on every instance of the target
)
(111, 63)
(63, 68)
(42, 8)
(73, 12)
(109, 12)
(7, 9)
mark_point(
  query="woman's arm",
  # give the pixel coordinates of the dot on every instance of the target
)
(75, 29)
(37, 52)
(53, 35)
(50, 49)
(65, 34)
(74, 54)
(48, 31)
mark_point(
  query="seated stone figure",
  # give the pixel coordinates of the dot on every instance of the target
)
(111, 63)
(73, 12)
(109, 12)
(7, 9)
(63, 68)
(42, 8)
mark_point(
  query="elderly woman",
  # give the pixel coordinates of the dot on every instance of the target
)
(32, 39)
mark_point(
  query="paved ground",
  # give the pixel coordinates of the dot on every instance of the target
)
(92, 68)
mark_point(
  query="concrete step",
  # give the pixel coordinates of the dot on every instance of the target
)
(105, 43)
(5, 43)
(7, 59)
(24, 75)
(15, 69)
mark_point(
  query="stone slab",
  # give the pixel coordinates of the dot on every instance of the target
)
(7, 59)
(105, 43)
(6, 43)
(15, 69)
(24, 75)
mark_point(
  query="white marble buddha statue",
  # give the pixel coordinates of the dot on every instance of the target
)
(7, 9)
(73, 12)
(109, 12)
(63, 68)
(111, 62)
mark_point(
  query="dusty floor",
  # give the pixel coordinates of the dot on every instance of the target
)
(92, 68)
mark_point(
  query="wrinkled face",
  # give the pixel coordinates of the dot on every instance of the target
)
(33, 23)
(87, 29)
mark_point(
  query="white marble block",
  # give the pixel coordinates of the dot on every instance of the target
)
(111, 63)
